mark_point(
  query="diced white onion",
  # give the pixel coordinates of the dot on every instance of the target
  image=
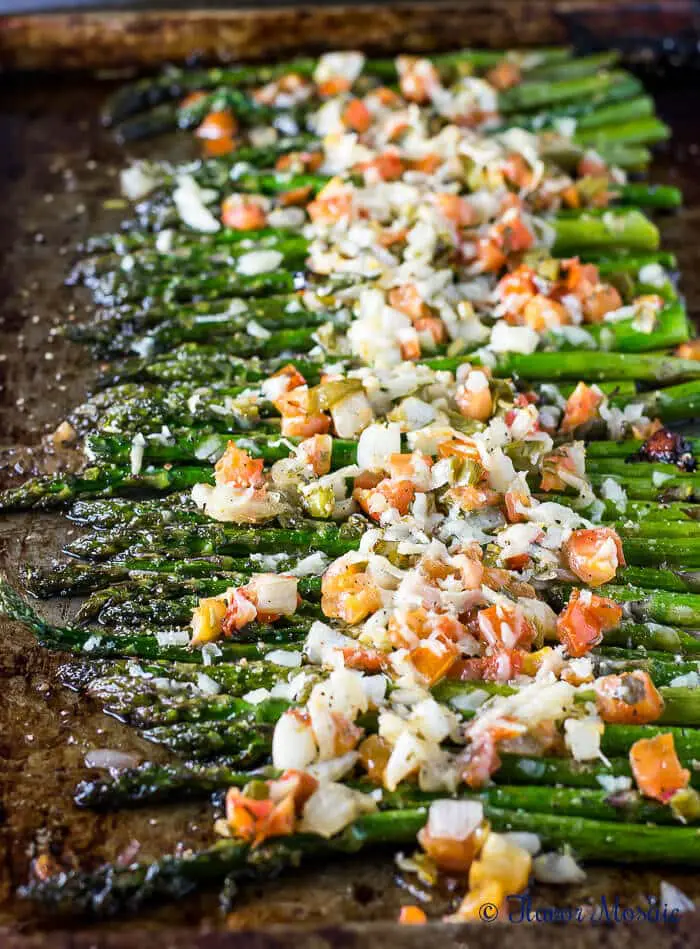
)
(513, 339)
(137, 181)
(332, 807)
(275, 593)
(188, 198)
(557, 868)
(377, 442)
(259, 261)
(674, 899)
(138, 445)
(283, 657)
(109, 758)
(173, 637)
(456, 820)
(293, 744)
(207, 685)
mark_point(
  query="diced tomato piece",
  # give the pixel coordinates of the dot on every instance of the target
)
(417, 78)
(455, 208)
(410, 466)
(349, 594)
(506, 627)
(592, 166)
(374, 753)
(557, 464)
(300, 161)
(481, 761)
(580, 279)
(518, 562)
(503, 861)
(299, 785)
(471, 571)
(517, 171)
(463, 448)
(356, 116)
(434, 326)
(346, 734)
(571, 197)
(511, 234)
(450, 854)
(433, 658)
(584, 620)
(295, 197)
(388, 166)
(472, 498)
(293, 377)
(317, 451)
(540, 313)
(239, 613)
(389, 493)
(304, 426)
(365, 659)
(332, 203)
(333, 86)
(428, 164)
(217, 147)
(405, 630)
(501, 665)
(255, 820)
(219, 124)
(630, 698)
(387, 97)
(367, 480)
(601, 300)
(242, 215)
(581, 407)
(520, 282)
(408, 300)
(390, 237)
(409, 345)
(483, 903)
(236, 467)
(656, 767)
(514, 500)
(412, 916)
(689, 350)
(489, 255)
(505, 75)
(475, 403)
(239, 819)
(594, 554)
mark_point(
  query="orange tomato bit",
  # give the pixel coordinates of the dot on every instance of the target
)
(656, 767)
(630, 698)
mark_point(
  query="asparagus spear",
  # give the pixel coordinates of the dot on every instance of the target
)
(332, 539)
(176, 83)
(113, 890)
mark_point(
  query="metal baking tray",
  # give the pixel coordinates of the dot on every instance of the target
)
(57, 166)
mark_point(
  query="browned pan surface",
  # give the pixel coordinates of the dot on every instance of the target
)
(56, 168)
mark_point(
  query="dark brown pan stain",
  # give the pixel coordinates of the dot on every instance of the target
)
(56, 169)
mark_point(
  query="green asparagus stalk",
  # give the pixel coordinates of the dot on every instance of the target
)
(113, 890)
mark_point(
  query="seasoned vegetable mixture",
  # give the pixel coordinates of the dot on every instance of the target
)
(389, 540)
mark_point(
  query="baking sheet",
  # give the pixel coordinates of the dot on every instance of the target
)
(56, 168)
